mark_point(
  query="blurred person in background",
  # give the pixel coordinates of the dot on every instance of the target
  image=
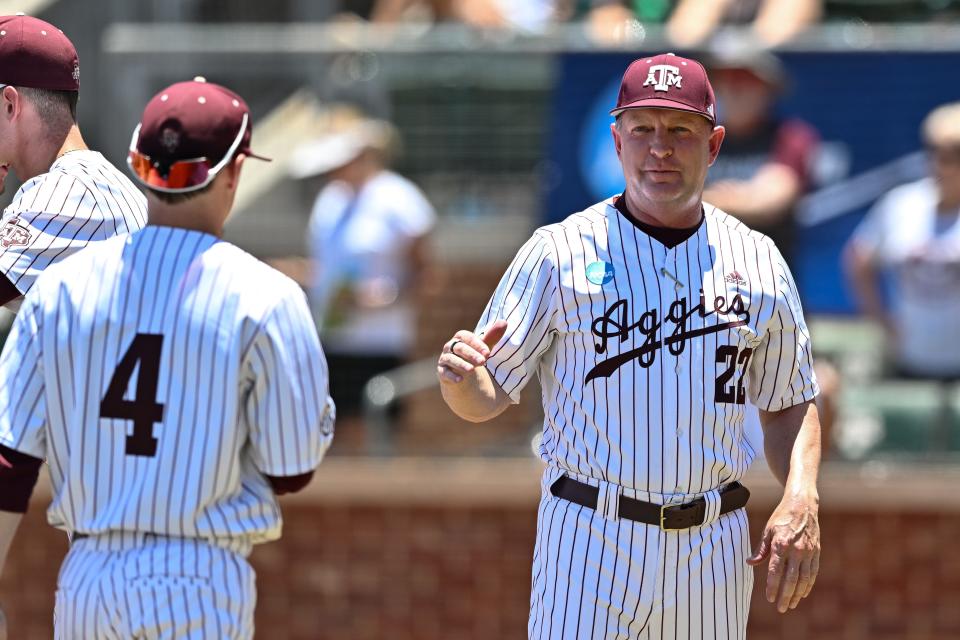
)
(766, 167)
(767, 161)
(908, 246)
(369, 242)
(690, 23)
(606, 18)
(772, 22)
(532, 15)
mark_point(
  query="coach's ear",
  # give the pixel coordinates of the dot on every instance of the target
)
(615, 130)
(714, 142)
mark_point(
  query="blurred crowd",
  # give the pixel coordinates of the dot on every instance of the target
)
(688, 23)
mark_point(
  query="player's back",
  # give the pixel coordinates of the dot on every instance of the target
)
(178, 370)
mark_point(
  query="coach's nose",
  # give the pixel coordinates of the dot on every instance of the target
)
(659, 146)
(660, 152)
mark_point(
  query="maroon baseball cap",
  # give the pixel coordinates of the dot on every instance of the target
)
(667, 81)
(186, 134)
(36, 54)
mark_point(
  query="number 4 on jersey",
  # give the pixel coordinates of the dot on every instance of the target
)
(143, 410)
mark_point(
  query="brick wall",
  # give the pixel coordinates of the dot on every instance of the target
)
(441, 549)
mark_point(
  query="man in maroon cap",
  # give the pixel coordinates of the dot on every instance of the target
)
(651, 318)
(165, 484)
(71, 196)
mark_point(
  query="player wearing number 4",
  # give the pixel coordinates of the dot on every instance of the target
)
(650, 319)
(175, 385)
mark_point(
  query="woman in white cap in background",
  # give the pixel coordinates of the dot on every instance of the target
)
(368, 239)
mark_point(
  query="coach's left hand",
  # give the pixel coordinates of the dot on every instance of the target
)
(791, 540)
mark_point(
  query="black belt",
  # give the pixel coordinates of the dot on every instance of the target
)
(678, 516)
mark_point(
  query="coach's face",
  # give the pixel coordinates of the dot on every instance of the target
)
(665, 154)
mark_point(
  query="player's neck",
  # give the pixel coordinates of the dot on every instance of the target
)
(73, 142)
(44, 154)
(665, 217)
(184, 216)
(361, 175)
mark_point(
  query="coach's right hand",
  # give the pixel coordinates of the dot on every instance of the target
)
(467, 387)
(466, 351)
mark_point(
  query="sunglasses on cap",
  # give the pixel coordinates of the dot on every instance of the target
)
(181, 176)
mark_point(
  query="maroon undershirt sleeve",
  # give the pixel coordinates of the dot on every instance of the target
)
(289, 484)
(8, 292)
(18, 476)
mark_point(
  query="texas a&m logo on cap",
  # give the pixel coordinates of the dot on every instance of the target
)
(663, 76)
(656, 82)
(170, 139)
(14, 234)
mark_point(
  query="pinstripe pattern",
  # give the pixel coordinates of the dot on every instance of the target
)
(81, 200)
(592, 584)
(644, 381)
(241, 379)
(118, 587)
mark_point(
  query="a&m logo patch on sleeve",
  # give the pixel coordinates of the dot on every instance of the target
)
(15, 234)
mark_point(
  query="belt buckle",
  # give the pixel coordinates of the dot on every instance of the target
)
(663, 518)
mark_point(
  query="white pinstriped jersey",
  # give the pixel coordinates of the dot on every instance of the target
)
(646, 354)
(81, 200)
(161, 375)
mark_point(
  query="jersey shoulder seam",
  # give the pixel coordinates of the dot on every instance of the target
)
(735, 225)
(41, 184)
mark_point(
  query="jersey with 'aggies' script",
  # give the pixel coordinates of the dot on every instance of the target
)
(161, 375)
(81, 199)
(647, 354)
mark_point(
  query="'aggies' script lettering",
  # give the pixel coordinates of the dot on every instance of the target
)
(615, 323)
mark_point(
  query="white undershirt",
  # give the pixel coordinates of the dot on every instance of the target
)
(919, 252)
(361, 242)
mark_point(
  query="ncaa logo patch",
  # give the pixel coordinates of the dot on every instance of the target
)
(600, 272)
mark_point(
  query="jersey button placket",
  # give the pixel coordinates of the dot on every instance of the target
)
(671, 289)
(682, 363)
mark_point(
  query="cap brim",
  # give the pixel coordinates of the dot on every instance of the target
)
(324, 155)
(250, 154)
(661, 103)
